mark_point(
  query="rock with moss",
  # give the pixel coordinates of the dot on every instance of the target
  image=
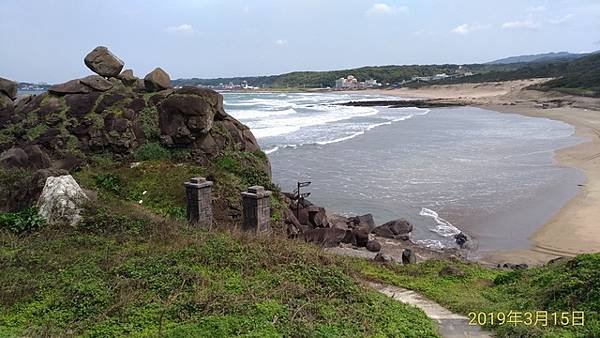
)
(78, 119)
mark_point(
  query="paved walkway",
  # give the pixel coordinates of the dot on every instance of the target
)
(450, 325)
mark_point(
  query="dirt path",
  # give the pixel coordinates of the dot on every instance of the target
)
(450, 325)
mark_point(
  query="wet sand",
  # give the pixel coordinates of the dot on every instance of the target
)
(575, 228)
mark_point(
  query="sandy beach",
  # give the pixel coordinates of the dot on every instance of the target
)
(575, 228)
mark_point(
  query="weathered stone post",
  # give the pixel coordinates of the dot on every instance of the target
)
(256, 209)
(199, 201)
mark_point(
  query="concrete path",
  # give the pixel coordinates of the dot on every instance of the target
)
(450, 325)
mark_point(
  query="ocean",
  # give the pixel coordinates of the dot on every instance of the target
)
(446, 170)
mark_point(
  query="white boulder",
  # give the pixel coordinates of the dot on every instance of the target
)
(61, 201)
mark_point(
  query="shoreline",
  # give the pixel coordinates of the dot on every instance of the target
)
(572, 230)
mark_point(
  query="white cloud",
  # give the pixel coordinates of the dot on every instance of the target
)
(524, 24)
(468, 28)
(563, 19)
(536, 9)
(462, 29)
(281, 42)
(181, 29)
(385, 9)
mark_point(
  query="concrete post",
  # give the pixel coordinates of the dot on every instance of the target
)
(199, 201)
(256, 209)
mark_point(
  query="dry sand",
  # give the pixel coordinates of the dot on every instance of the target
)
(575, 228)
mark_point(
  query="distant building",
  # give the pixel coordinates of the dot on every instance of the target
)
(351, 82)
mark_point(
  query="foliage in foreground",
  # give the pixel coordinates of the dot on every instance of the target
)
(126, 276)
(564, 286)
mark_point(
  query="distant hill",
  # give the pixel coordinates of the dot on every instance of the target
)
(555, 56)
(580, 76)
(318, 79)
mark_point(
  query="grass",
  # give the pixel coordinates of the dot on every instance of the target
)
(563, 287)
(148, 278)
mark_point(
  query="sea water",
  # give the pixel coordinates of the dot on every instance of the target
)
(446, 170)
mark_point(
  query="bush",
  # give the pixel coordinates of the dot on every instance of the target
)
(108, 182)
(26, 220)
(152, 151)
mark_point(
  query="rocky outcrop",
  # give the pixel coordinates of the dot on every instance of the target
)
(82, 117)
(61, 201)
(157, 80)
(8, 88)
(104, 63)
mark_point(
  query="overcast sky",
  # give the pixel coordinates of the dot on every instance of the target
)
(45, 40)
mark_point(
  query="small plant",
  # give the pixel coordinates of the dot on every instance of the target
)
(108, 182)
(152, 151)
(26, 220)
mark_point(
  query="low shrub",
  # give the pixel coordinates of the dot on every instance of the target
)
(26, 220)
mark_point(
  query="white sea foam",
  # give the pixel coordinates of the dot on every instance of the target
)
(253, 114)
(272, 150)
(443, 228)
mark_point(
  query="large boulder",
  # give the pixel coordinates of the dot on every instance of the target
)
(28, 157)
(9, 88)
(69, 87)
(157, 80)
(364, 221)
(97, 82)
(397, 229)
(25, 190)
(62, 201)
(104, 63)
(408, 257)
(328, 237)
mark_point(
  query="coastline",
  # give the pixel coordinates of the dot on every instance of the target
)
(573, 228)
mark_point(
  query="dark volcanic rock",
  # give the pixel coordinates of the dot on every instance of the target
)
(7, 108)
(374, 246)
(365, 221)
(361, 237)
(9, 88)
(102, 62)
(29, 157)
(97, 82)
(127, 77)
(157, 80)
(80, 104)
(69, 87)
(27, 190)
(328, 237)
(394, 229)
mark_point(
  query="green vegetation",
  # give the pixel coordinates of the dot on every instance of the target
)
(152, 151)
(383, 74)
(26, 220)
(564, 286)
(129, 276)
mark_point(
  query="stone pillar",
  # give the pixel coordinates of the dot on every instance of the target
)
(256, 209)
(199, 201)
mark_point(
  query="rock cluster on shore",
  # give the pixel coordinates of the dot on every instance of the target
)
(114, 112)
(312, 223)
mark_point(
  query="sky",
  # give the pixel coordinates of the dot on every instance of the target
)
(46, 40)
